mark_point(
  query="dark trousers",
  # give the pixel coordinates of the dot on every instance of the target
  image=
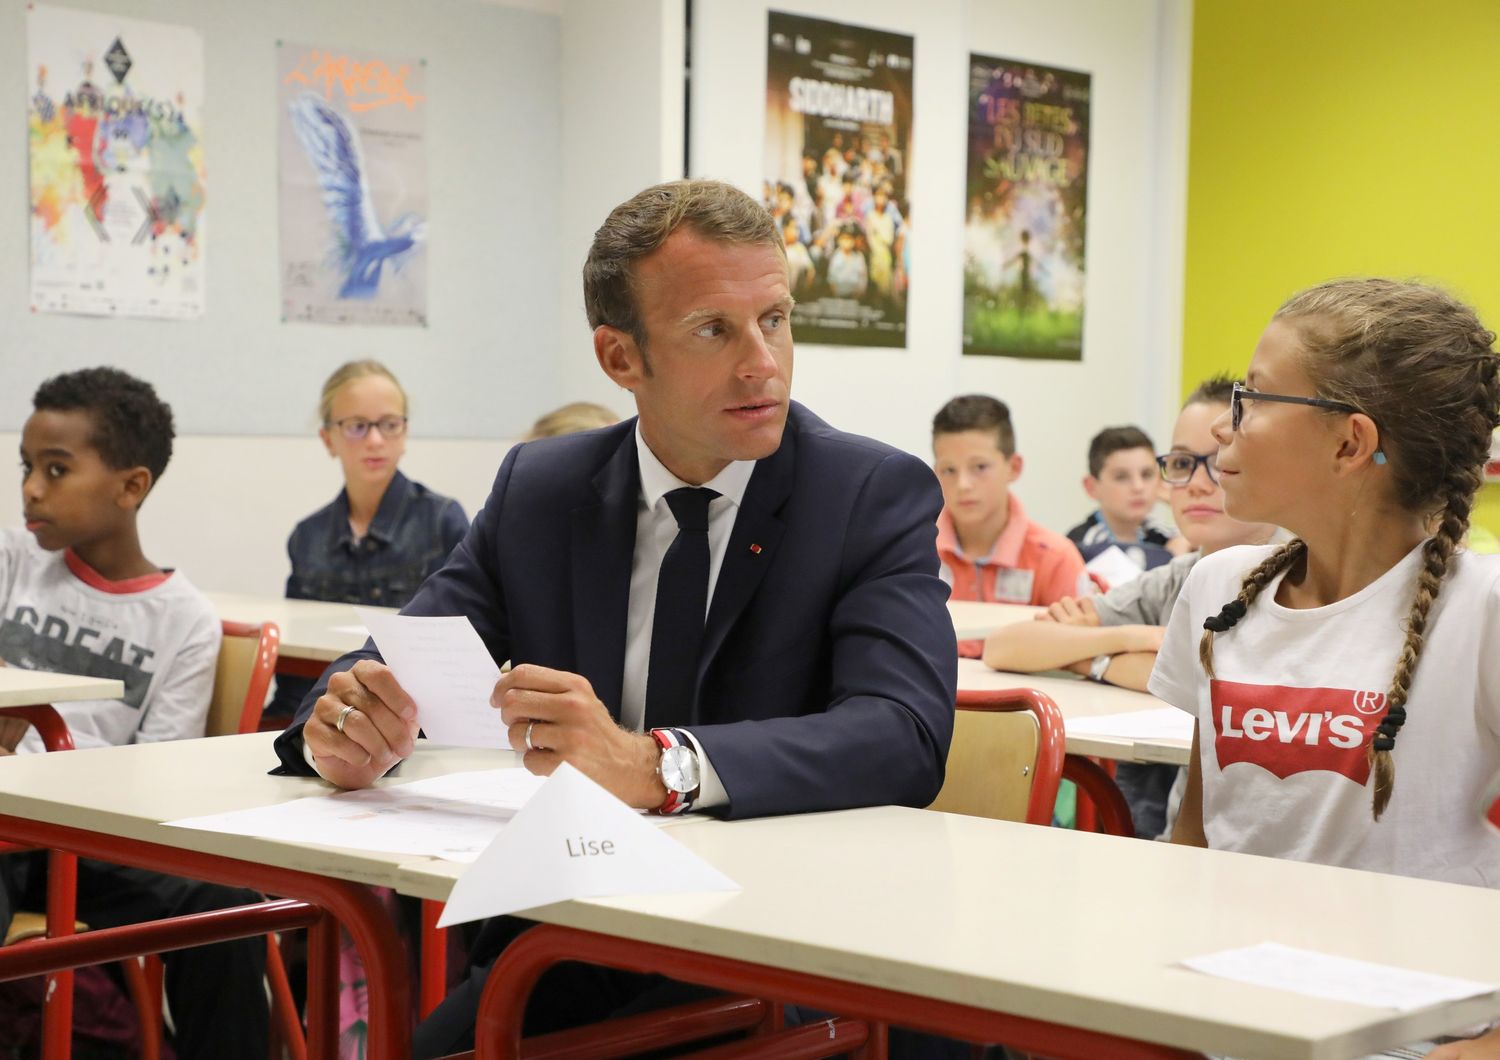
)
(215, 993)
(574, 995)
(1146, 787)
(567, 995)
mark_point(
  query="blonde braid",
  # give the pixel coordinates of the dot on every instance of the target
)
(1250, 588)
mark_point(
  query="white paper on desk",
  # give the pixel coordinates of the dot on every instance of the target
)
(575, 840)
(1114, 567)
(1336, 978)
(454, 816)
(445, 668)
(1162, 723)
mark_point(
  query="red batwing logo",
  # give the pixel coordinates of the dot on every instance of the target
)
(1293, 730)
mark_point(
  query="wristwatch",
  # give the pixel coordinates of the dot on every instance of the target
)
(677, 768)
(1099, 667)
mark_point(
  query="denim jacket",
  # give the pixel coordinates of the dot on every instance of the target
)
(410, 537)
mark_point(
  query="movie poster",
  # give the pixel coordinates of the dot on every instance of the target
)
(353, 187)
(114, 122)
(1027, 202)
(838, 165)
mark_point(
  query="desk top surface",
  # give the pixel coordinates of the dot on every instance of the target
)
(1077, 928)
(974, 619)
(26, 688)
(310, 629)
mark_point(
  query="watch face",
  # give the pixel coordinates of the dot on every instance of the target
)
(679, 769)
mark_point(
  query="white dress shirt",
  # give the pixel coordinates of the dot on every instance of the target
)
(655, 530)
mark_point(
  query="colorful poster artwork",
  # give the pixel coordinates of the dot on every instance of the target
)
(353, 187)
(1027, 204)
(838, 165)
(114, 120)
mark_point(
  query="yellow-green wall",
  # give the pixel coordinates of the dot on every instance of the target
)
(1333, 138)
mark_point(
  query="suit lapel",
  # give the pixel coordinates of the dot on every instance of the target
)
(752, 546)
(603, 539)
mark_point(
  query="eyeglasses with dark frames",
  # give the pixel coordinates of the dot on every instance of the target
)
(1241, 393)
(1179, 466)
(356, 427)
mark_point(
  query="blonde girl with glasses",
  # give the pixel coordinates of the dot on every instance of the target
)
(379, 539)
(1346, 685)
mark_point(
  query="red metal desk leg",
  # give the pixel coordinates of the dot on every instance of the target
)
(433, 947)
(503, 1005)
(352, 905)
(62, 914)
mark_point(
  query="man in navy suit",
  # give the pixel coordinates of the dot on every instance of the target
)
(723, 604)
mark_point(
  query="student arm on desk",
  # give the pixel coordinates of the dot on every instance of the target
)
(1027, 647)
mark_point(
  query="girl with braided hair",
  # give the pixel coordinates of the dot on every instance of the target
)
(1347, 684)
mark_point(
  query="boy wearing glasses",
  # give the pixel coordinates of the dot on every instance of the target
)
(379, 539)
(1115, 637)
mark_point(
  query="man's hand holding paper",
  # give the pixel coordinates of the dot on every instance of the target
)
(552, 716)
(363, 725)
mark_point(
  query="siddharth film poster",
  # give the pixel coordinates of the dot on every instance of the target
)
(1027, 208)
(838, 173)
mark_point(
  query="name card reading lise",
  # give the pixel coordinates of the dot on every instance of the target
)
(575, 840)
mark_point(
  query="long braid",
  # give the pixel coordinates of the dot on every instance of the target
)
(1278, 561)
(1437, 556)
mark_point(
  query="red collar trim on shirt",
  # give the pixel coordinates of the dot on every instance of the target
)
(92, 578)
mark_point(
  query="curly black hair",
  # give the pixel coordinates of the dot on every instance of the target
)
(132, 426)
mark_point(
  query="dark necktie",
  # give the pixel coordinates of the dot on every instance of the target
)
(681, 605)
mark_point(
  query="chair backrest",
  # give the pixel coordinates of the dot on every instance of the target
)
(1006, 758)
(247, 659)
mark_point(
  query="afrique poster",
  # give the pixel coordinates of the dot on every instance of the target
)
(353, 197)
(838, 173)
(1027, 207)
(114, 119)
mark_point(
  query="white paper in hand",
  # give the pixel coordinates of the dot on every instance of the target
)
(575, 840)
(447, 671)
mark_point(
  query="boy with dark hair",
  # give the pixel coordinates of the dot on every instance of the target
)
(1123, 480)
(990, 550)
(78, 595)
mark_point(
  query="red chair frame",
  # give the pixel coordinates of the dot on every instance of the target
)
(1051, 747)
(267, 651)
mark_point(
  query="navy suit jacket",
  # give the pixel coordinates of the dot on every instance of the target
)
(828, 671)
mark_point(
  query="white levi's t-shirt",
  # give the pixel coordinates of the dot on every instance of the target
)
(1284, 727)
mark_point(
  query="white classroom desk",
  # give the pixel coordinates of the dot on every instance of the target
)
(29, 688)
(982, 913)
(1079, 698)
(318, 631)
(975, 619)
(313, 632)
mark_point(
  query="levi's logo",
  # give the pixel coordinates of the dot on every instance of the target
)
(1293, 730)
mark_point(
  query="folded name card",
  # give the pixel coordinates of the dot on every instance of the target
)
(573, 839)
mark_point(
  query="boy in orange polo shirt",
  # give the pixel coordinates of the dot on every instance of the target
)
(990, 550)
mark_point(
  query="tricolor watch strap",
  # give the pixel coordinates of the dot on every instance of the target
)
(676, 801)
